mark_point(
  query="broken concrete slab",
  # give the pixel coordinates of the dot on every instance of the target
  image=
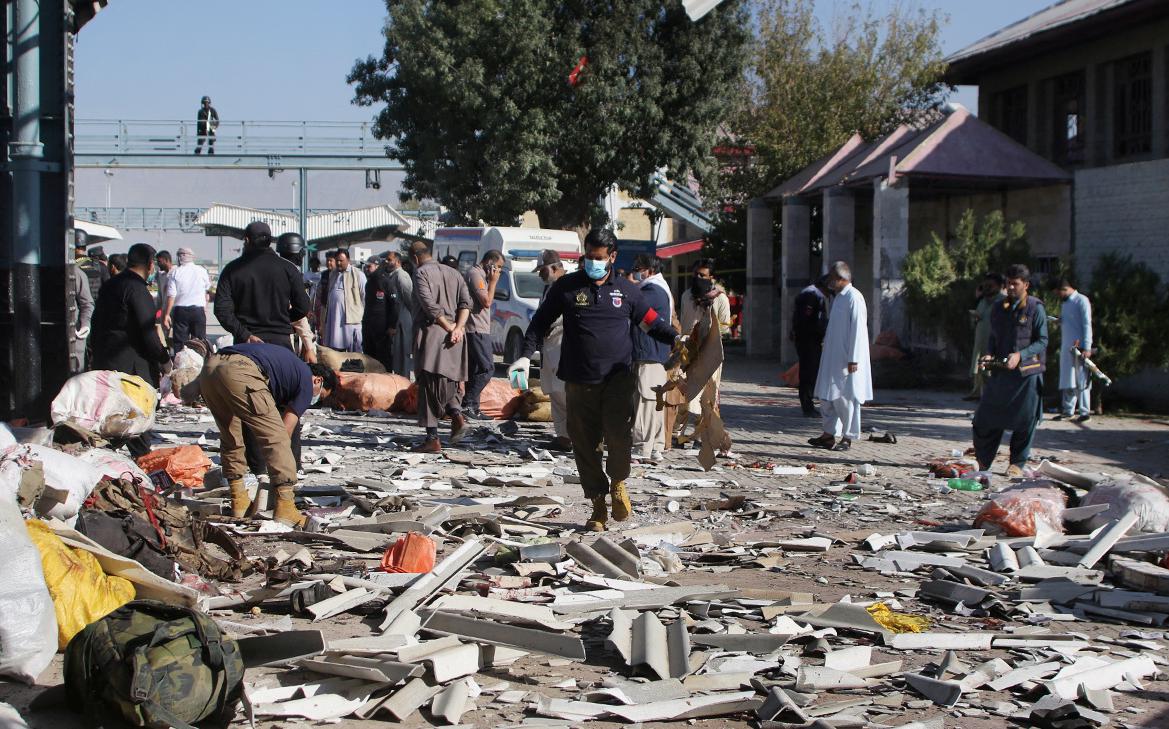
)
(1140, 575)
(374, 670)
(506, 611)
(1101, 677)
(1023, 674)
(406, 700)
(757, 643)
(952, 593)
(340, 603)
(819, 678)
(484, 631)
(593, 560)
(1107, 538)
(445, 572)
(281, 648)
(654, 598)
(450, 703)
(941, 641)
(941, 692)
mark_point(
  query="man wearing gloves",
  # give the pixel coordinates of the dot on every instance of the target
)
(844, 382)
(1075, 333)
(599, 310)
(649, 359)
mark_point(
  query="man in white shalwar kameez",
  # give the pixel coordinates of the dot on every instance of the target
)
(551, 268)
(1075, 332)
(844, 381)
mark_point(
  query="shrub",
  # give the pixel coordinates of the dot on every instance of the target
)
(1129, 307)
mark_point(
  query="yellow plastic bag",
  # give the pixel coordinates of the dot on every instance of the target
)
(897, 622)
(81, 591)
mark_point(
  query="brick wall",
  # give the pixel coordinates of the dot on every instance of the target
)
(1123, 209)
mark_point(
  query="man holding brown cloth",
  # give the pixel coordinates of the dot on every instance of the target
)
(442, 305)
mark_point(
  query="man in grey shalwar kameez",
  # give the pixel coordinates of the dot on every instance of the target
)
(345, 306)
(442, 305)
(401, 287)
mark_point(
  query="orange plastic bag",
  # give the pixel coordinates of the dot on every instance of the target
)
(413, 553)
(407, 401)
(368, 391)
(186, 464)
(791, 377)
(499, 400)
(1015, 512)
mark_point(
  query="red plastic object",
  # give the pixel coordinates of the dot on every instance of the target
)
(413, 553)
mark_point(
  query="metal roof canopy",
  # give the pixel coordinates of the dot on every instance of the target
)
(1054, 28)
(96, 231)
(960, 148)
(378, 223)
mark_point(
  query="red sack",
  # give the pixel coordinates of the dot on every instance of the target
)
(499, 400)
(413, 553)
(186, 464)
(791, 378)
(368, 391)
(1015, 511)
(407, 401)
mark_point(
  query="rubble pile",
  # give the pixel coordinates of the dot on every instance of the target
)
(458, 588)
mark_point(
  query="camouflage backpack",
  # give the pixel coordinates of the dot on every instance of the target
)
(150, 664)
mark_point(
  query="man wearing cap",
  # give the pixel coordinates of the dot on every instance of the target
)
(482, 279)
(185, 314)
(550, 268)
(206, 122)
(80, 304)
(259, 295)
(89, 262)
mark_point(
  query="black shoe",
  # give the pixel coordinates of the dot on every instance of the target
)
(1082, 419)
(474, 414)
(198, 150)
(843, 445)
(1061, 416)
(211, 151)
(822, 441)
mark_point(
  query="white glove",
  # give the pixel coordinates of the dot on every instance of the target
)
(681, 339)
(83, 332)
(521, 367)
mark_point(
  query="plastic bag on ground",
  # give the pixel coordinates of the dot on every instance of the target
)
(1146, 499)
(62, 471)
(28, 623)
(188, 357)
(358, 391)
(186, 464)
(1016, 511)
(113, 464)
(81, 591)
(111, 404)
(412, 553)
(499, 400)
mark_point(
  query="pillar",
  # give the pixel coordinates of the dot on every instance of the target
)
(890, 246)
(796, 255)
(759, 305)
(839, 225)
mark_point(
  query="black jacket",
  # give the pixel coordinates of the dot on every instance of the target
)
(598, 326)
(122, 332)
(260, 294)
(381, 308)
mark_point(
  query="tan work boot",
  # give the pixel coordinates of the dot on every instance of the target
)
(596, 522)
(286, 511)
(240, 501)
(621, 506)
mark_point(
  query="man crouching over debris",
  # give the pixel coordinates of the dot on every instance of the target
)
(596, 365)
(268, 388)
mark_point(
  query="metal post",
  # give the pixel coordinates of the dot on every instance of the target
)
(219, 257)
(27, 158)
(302, 214)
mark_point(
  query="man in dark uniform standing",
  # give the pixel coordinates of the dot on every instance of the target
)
(123, 336)
(380, 317)
(206, 122)
(96, 271)
(600, 310)
(809, 323)
(1012, 396)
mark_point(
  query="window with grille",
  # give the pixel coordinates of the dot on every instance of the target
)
(1009, 113)
(1133, 105)
(1067, 132)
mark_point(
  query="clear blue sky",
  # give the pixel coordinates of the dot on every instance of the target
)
(287, 59)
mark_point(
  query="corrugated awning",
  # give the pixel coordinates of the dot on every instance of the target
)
(97, 232)
(378, 223)
(680, 249)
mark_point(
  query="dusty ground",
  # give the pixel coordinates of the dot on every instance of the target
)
(767, 427)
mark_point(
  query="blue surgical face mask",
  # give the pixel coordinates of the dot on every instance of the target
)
(639, 276)
(596, 270)
(316, 398)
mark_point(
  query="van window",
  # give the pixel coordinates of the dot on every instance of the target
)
(466, 260)
(503, 287)
(529, 285)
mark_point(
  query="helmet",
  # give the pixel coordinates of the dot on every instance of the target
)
(290, 243)
(205, 100)
(80, 238)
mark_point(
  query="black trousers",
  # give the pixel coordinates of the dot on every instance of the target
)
(206, 136)
(187, 323)
(480, 367)
(809, 352)
(252, 451)
(377, 344)
(602, 413)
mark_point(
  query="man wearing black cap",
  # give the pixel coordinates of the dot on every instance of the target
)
(206, 122)
(89, 262)
(259, 295)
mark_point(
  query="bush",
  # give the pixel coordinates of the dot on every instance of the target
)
(1129, 307)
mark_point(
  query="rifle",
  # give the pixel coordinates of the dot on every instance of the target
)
(1091, 367)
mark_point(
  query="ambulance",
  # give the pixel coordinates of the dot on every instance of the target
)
(519, 289)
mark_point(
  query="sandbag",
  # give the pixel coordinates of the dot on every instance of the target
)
(112, 464)
(62, 471)
(81, 591)
(499, 400)
(111, 404)
(349, 361)
(541, 414)
(1017, 511)
(535, 406)
(408, 402)
(186, 464)
(28, 621)
(364, 392)
(1146, 499)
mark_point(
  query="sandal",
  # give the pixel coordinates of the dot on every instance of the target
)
(887, 437)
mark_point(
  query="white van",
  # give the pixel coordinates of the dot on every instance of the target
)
(519, 289)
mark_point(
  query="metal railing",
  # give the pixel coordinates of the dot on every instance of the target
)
(259, 138)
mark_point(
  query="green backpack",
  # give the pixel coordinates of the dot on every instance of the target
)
(150, 664)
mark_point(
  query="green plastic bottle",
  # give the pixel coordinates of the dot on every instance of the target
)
(964, 484)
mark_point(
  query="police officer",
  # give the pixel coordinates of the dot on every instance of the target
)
(599, 310)
(88, 261)
(380, 317)
(290, 247)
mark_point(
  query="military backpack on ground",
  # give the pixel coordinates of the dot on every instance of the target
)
(149, 664)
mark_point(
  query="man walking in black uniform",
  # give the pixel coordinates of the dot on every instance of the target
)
(206, 122)
(809, 323)
(599, 310)
(122, 335)
(380, 317)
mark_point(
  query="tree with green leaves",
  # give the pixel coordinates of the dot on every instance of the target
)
(497, 107)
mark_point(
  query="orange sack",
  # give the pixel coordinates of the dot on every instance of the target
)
(791, 377)
(413, 553)
(368, 391)
(1015, 512)
(186, 464)
(499, 400)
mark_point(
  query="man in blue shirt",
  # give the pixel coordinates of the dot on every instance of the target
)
(599, 310)
(268, 388)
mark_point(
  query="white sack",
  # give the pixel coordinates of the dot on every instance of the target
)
(62, 471)
(1146, 499)
(28, 622)
(98, 401)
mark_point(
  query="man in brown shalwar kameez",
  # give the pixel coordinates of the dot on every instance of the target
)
(442, 305)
